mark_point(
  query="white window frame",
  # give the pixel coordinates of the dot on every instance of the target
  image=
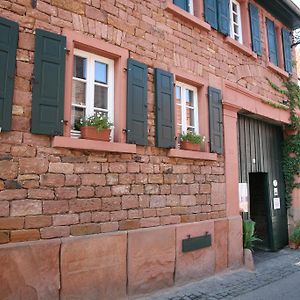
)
(183, 106)
(90, 83)
(233, 34)
(191, 7)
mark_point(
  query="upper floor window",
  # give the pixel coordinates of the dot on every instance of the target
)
(186, 5)
(235, 21)
(92, 87)
(272, 42)
(186, 108)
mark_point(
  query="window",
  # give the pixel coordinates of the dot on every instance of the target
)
(186, 108)
(186, 5)
(235, 21)
(92, 87)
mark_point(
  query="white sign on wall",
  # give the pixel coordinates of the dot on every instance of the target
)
(276, 203)
(243, 197)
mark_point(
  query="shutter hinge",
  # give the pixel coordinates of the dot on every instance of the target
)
(67, 50)
(125, 130)
(125, 69)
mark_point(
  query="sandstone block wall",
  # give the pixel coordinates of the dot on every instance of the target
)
(47, 193)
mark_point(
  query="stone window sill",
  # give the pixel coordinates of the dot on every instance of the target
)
(192, 154)
(186, 17)
(83, 144)
(278, 70)
(240, 47)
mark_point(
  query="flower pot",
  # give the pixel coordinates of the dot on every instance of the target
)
(186, 145)
(293, 245)
(91, 133)
(248, 260)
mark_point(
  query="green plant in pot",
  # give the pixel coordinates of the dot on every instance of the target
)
(294, 239)
(191, 141)
(249, 234)
(96, 127)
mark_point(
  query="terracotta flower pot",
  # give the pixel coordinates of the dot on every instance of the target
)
(293, 245)
(91, 133)
(186, 145)
(290, 131)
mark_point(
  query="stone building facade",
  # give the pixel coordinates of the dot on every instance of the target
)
(80, 218)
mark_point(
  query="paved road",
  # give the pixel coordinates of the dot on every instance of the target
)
(277, 276)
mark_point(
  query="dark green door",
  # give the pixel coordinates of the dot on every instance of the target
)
(260, 151)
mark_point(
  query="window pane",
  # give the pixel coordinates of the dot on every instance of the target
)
(100, 72)
(189, 97)
(79, 69)
(234, 7)
(190, 120)
(77, 114)
(100, 100)
(178, 114)
(178, 92)
(78, 92)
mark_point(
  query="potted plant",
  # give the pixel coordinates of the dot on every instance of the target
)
(191, 141)
(96, 127)
(294, 239)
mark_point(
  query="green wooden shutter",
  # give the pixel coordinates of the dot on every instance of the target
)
(48, 83)
(286, 41)
(223, 16)
(137, 103)
(215, 120)
(255, 28)
(272, 44)
(8, 46)
(210, 13)
(164, 98)
(184, 4)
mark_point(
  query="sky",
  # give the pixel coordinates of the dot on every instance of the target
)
(297, 2)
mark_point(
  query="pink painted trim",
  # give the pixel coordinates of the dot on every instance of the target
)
(72, 143)
(201, 85)
(240, 47)
(192, 154)
(187, 17)
(245, 20)
(231, 161)
(99, 47)
(277, 70)
(239, 98)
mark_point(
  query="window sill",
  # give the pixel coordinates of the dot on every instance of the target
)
(280, 71)
(83, 144)
(240, 47)
(186, 17)
(192, 154)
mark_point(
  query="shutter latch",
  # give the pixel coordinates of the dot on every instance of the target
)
(67, 50)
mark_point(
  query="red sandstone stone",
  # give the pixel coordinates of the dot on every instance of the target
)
(33, 165)
(26, 207)
(8, 169)
(55, 207)
(24, 235)
(64, 168)
(235, 242)
(30, 270)
(81, 205)
(151, 259)
(195, 264)
(54, 232)
(88, 274)
(221, 244)
(37, 221)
